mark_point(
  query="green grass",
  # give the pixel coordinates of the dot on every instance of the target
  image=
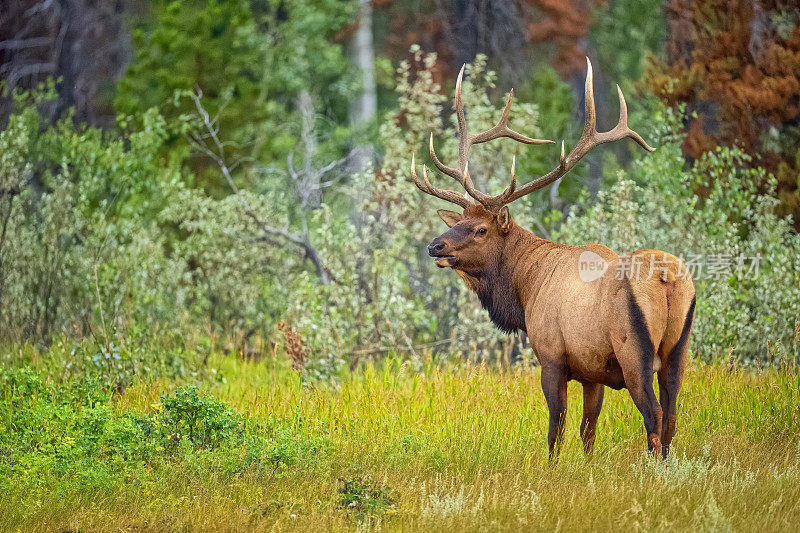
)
(448, 448)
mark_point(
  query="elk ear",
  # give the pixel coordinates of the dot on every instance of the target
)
(451, 218)
(504, 219)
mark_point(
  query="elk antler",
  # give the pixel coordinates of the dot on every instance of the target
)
(589, 139)
(466, 140)
(444, 194)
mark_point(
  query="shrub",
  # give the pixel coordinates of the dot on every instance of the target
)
(366, 500)
(72, 434)
(203, 420)
(100, 235)
(77, 216)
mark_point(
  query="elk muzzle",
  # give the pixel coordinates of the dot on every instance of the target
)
(437, 249)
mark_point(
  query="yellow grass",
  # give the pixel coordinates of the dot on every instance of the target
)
(464, 449)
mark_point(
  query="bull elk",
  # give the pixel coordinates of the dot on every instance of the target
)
(615, 327)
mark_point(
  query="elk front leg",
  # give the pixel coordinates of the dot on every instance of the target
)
(592, 403)
(554, 386)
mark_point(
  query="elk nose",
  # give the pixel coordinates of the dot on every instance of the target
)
(435, 247)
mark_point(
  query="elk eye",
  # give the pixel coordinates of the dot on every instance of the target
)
(482, 231)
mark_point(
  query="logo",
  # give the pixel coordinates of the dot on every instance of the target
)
(591, 266)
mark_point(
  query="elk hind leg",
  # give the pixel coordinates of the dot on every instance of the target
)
(635, 354)
(670, 378)
(592, 404)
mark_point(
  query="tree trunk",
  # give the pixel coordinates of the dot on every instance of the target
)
(365, 106)
(466, 32)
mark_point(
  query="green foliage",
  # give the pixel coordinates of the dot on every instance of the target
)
(48, 432)
(250, 59)
(205, 421)
(211, 44)
(101, 238)
(79, 224)
(624, 33)
(365, 499)
(465, 446)
(225, 279)
(74, 432)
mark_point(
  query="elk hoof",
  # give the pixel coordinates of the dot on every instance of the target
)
(655, 445)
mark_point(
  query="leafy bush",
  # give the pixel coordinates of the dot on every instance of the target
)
(102, 238)
(73, 433)
(366, 500)
(204, 421)
(49, 432)
(77, 212)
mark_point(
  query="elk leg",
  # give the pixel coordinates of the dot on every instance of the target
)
(668, 396)
(641, 390)
(669, 383)
(670, 378)
(554, 386)
(637, 372)
(592, 403)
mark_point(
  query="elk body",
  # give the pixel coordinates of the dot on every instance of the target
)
(590, 315)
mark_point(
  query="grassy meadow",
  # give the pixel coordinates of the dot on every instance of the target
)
(447, 447)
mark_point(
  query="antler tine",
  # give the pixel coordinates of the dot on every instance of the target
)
(590, 118)
(426, 187)
(622, 126)
(513, 185)
(454, 173)
(501, 129)
(466, 140)
(589, 139)
(470, 187)
(462, 120)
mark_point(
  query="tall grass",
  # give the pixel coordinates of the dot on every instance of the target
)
(462, 448)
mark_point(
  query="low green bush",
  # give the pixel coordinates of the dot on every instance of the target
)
(74, 433)
(365, 499)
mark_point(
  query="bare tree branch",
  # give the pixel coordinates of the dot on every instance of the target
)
(19, 44)
(216, 152)
(26, 70)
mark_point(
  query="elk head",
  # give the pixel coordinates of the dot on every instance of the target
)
(477, 235)
(475, 239)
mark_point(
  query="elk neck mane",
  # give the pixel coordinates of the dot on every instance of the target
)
(496, 286)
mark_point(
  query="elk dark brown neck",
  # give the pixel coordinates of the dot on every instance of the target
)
(503, 286)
